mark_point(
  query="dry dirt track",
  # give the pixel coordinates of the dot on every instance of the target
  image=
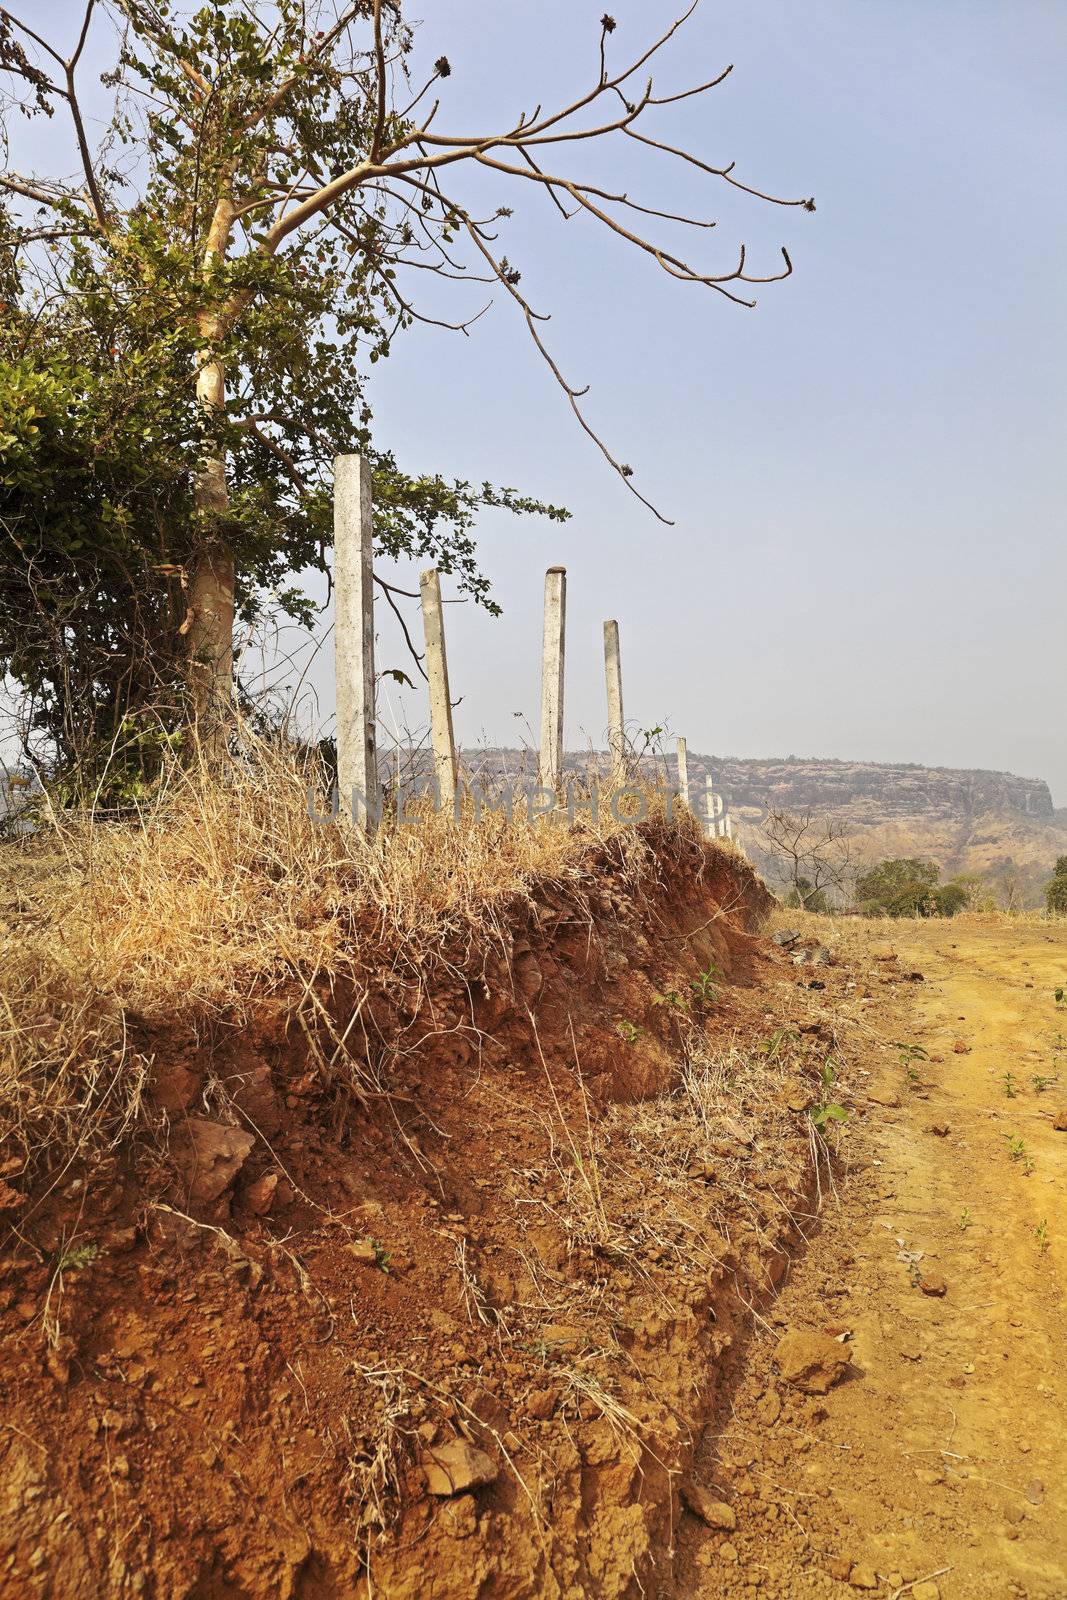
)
(940, 1467)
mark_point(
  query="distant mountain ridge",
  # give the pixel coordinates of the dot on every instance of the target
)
(877, 791)
(995, 824)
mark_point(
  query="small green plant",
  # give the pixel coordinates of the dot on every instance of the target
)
(78, 1258)
(629, 1031)
(1041, 1234)
(706, 985)
(909, 1055)
(772, 1047)
(1041, 1082)
(827, 1110)
(381, 1255)
(672, 998)
(966, 1220)
(1016, 1147)
(1010, 1082)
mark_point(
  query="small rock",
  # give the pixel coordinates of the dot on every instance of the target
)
(708, 1507)
(812, 1362)
(1036, 1492)
(883, 1097)
(940, 1130)
(883, 952)
(820, 956)
(119, 1240)
(542, 1403)
(961, 1047)
(259, 1196)
(838, 1567)
(925, 1591)
(1060, 1120)
(728, 1552)
(363, 1250)
(457, 1466)
(769, 1408)
(214, 1154)
(863, 1578)
(10, 1199)
(786, 937)
(933, 1284)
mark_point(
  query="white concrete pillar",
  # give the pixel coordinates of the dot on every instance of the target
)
(553, 651)
(444, 744)
(353, 577)
(616, 723)
(712, 808)
(683, 773)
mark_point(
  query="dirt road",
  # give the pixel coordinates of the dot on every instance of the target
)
(939, 1467)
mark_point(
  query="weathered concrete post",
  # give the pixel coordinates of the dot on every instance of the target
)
(553, 649)
(616, 725)
(353, 574)
(712, 807)
(683, 773)
(444, 744)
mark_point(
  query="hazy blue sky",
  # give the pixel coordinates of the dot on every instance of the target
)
(867, 473)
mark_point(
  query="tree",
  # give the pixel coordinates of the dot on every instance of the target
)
(899, 888)
(809, 855)
(270, 172)
(1056, 888)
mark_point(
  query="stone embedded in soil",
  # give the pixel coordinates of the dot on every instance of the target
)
(863, 1578)
(769, 1408)
(259, 1196)
(812, 1362)
(786, 937)
(214, 1154)
(925, 1591)
(363, 1250)
(961, 1047)
(456, 1467)
(838, 1567)
(883, 1097)
(706, 1505)
(1060, 1120)
(933, 1284)
(10, 1199)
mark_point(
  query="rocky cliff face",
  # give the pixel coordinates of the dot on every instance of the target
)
(873, 793)
(989, 823)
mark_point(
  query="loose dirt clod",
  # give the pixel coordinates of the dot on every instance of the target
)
(708, 1507)
(812, 1362)
(456, 1467)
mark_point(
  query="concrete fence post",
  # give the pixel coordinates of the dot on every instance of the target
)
(712, 808)
(683, 773)
(553, 650)
(353, 575)
(444, 744)
(616, 724)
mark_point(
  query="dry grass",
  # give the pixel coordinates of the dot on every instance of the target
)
(216, 895)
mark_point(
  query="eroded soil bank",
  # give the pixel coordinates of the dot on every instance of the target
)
(940, 1467)
(425, 1288)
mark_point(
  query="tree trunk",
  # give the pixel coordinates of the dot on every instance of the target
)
(209, 627)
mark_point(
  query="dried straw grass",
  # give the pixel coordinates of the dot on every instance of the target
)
(213, 896)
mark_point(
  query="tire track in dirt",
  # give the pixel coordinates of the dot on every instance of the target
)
(939, 1469)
